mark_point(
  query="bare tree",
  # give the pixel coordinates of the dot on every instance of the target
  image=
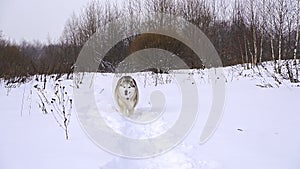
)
(263, 15)
(296, 77)
(254, 25)
(281, 13)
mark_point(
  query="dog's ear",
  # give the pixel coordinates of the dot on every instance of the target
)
(118, 85)
(134, 82)
(137, 92)
(121, 80)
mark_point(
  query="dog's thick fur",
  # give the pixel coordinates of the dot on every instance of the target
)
(126, 95)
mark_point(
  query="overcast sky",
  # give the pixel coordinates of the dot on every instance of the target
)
(36, 19)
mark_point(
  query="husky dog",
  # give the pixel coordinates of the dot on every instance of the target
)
(126, 95)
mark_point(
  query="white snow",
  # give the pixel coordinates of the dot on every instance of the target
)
(260, 127)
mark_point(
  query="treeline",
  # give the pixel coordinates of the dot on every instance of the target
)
(19, 61)
(244, 32)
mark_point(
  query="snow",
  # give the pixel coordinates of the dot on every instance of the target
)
(259, 129)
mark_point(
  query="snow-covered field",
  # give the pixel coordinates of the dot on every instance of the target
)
(260, 128)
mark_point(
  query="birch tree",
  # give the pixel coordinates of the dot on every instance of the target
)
(296, 77)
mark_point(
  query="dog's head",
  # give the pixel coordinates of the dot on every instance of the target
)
(126, 88)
